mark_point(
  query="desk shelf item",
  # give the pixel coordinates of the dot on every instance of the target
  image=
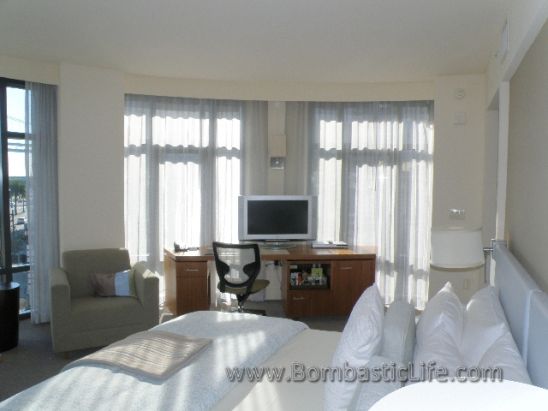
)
(307, 276)
(345, 277)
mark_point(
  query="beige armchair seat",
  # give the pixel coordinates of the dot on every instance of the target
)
(79, 319)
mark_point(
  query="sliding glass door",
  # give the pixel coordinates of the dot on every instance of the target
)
(14, 250)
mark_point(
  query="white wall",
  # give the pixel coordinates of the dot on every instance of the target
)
(91, 158)
(459, 151)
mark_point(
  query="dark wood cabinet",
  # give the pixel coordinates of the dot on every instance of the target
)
(346, 281)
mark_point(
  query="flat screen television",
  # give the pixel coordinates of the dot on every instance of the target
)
(276, 218)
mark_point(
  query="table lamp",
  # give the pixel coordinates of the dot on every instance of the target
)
(457, 249)
(457, 256)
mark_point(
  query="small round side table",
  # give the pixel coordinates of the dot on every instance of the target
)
(9, 316)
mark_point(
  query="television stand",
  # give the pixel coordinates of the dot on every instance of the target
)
(278, 245)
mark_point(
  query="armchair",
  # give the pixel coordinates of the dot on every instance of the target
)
(79, 319)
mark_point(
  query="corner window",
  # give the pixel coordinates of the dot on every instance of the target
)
(14, 262)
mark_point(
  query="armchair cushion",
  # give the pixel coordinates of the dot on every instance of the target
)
(79, 264)
(120, 284)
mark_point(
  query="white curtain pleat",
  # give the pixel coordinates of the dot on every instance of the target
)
(296, 165)
(371, 168)
(184, 170)
(42, 194)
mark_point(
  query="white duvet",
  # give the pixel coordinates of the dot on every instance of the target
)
(238, 340)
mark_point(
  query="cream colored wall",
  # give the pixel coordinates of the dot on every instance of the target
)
(276, 144)
(271, 91)
(459, 151)
(525, 19)
(21, 69)
(91, 139)
(91, 158)
(527, 193)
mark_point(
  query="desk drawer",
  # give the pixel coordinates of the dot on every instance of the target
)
(308, 303)
(192, 269)
(192, 293)
(348, 267)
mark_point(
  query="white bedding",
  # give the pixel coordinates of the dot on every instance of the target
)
(238, 340)
(312, 348)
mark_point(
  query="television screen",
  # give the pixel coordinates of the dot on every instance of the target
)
(276, 218)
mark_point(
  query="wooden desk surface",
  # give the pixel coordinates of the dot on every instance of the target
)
(300, 252)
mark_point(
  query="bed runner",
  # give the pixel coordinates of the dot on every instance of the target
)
(155, 354)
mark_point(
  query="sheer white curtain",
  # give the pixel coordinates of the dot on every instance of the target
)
(184, 169)
(370, 164)
(43, 220)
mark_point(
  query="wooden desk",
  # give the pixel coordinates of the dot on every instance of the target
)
(348, 271)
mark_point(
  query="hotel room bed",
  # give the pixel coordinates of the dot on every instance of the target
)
(239, 339)
(247, 341)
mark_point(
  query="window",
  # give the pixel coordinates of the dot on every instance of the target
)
(15, 248)
(372, 173)
(183, 172)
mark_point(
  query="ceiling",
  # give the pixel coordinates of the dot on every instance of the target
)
(259, 40)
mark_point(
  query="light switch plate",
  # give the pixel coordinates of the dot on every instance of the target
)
(460, 118)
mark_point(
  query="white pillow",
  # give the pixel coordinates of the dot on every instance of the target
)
(504, 354)
(398, 341)
(444, 309)
(360, 341)
(439, 332)
(440, 348)
(368, 393)
(484, 323)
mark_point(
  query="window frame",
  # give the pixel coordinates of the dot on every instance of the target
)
(7, 268)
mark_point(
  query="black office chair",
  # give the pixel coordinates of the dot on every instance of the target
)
(238, 266)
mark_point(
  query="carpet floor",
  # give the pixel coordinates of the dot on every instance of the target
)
(33, 360)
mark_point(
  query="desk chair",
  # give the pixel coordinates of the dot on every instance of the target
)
(238, 266)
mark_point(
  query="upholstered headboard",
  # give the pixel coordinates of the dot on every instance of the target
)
(515, 290)
(537, 344)
(526, 309)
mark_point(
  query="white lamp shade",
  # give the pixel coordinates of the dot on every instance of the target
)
(457, 249)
